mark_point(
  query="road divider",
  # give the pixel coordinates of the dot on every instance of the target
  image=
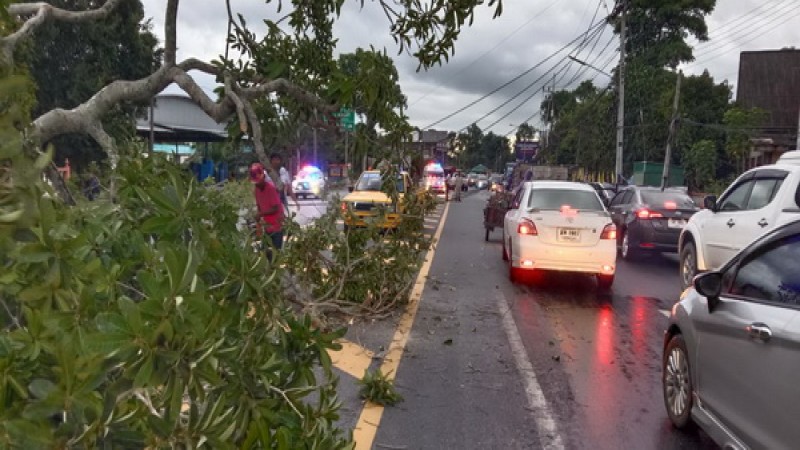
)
(368, 422)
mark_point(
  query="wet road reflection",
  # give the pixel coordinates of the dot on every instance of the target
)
(598, 355)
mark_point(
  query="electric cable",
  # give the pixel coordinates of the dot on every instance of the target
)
(506, 84)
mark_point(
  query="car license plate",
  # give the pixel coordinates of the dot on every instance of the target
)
(676, 223)
(569, 234)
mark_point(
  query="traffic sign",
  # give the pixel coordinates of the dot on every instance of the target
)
(347, 118)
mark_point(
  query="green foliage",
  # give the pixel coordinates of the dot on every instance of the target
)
(70, 62)
(378, 389)
(741, 123)
(365, 271)
(150, 322)
(700, 163)
(583, 131)
(657, 30)
(473, 147)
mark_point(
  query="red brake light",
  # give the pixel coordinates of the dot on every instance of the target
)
(527, 227)
(647, 214)
(669, 204)
(609, 232)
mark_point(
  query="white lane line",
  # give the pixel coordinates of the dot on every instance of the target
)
(665, 312)
(545, 423)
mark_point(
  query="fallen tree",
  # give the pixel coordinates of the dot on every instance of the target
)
(150, 322)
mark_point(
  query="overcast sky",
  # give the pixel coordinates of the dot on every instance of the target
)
(493, 52)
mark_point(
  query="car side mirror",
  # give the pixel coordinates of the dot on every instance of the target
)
(710, 202)
(709, 285)
(350, 188)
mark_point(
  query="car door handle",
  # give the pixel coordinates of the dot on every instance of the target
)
(731, 223)
(762, 223)
(759, 331)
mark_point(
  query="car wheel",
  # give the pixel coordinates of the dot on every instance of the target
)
(627, 252)
(605, 281)
(676, 381)
(688, 264)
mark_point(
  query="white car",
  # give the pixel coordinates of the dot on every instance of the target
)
(562, 226)
(309, 182)
(758, 201)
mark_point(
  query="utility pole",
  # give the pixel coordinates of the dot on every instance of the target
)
(152, 132)
(314, 129)
(346, 157)
(671, 136)
(621, 99)
(550, 110)
(798, 131)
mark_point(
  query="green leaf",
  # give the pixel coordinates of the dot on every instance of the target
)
(130, 311)
(41, 388)
(145, 371)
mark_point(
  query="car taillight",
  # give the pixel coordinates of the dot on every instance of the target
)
(528, 228)
(645, 213)
(670, 205)
(609, 232)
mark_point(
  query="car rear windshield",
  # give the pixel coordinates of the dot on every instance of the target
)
(658, 199)
(555, 199)
(373, 182)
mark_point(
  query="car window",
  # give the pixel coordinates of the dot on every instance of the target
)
(772, 275)
(518, 198)
(617, 199)
(763, 192)
(658, 199)
(555, 199)
(626, 200)
(736, 200)
(374, 182)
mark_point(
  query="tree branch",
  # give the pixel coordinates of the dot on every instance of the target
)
(170, 33)
(35, 14)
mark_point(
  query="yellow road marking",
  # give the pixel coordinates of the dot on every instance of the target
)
(352, 359)
(367, 426)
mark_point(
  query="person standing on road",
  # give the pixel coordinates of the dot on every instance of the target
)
(281, 180)
(458, 184)
(269, 210)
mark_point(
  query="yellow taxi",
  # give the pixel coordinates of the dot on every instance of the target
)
(366, 199)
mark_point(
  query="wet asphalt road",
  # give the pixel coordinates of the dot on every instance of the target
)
(311, 208)
(596, 356)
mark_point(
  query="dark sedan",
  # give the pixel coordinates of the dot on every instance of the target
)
(606, 191)
(649, 219)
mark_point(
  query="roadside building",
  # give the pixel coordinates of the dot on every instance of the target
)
(770, 80)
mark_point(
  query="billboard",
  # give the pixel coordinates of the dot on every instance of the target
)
(526, 150)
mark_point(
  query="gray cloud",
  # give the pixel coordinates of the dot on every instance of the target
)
(488, 54)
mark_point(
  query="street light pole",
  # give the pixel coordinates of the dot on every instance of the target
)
(314, 128)
(621, 99)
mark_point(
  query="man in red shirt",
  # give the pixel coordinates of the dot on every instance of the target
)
(270, 209)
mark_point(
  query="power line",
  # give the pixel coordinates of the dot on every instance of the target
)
(763, 23)
(597, 32)
(765, 31)
(506, 84)
(474, 61)
(745, 16)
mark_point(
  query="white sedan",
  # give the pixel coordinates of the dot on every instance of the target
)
(562, 226)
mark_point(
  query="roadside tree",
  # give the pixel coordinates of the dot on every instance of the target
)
(150, 321)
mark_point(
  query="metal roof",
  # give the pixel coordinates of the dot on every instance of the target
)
(177, 118)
